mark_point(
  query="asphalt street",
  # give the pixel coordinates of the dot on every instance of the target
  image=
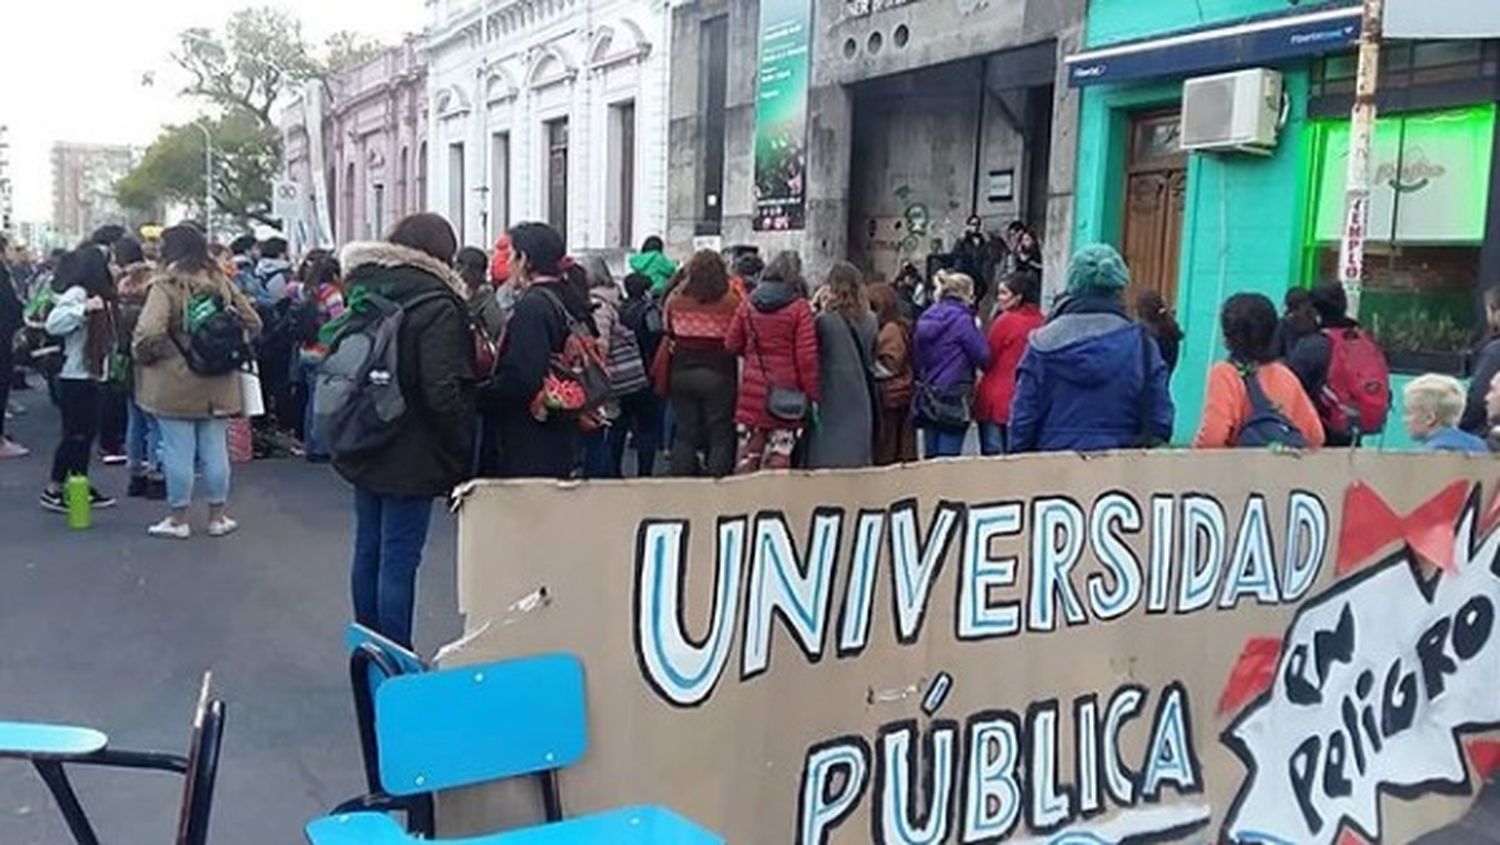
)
(113, 629)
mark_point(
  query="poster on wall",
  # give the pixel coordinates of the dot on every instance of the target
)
(781, 115)
(1132, 648)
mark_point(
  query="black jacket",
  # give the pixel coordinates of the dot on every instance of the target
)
(435, 448)
(1310, 358)
(537, 331)
(1486, 366)
(11, 310)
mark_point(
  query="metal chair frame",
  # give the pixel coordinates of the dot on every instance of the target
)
(420, 815)
(199, 770)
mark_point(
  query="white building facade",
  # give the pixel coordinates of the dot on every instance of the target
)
(549, 110)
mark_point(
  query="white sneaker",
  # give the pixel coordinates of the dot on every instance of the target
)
(222, 527)
(12, 449)
(169, 530)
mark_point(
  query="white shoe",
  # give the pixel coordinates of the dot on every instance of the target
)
(12, 449)
(222, 527)
(169, 530)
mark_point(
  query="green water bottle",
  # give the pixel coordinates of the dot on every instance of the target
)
(77, 495)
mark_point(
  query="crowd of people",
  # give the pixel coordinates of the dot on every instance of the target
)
(416, 363)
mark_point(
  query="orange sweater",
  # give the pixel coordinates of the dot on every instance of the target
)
(1227, 407)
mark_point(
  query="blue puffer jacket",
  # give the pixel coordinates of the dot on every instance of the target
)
(1079, 387)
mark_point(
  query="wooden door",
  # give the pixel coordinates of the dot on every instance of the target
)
(1155, 194)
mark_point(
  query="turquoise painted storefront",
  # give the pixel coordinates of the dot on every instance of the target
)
(1245, 216)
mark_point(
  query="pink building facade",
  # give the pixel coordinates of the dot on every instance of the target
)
(367, 165)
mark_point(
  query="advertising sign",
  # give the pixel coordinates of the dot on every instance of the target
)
(781, 115)
(1232, 647)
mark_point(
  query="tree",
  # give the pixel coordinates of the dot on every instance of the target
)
(258, 56)
(345, 50)
(244, 165)
(241, 74)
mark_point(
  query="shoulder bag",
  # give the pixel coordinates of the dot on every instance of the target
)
(784, 404)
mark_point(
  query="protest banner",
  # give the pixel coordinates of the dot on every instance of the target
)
(1194, 647)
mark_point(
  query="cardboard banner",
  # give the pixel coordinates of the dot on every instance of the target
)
(1197, 647)
(781, 115)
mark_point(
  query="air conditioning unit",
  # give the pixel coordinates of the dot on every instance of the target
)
(1232, 112)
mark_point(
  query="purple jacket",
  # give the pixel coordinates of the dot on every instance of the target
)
(950, 349)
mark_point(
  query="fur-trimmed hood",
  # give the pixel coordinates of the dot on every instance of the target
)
(389, 255)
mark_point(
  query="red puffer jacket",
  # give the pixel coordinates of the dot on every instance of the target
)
(775, 335)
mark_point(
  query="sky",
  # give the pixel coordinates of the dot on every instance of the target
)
(72, 70)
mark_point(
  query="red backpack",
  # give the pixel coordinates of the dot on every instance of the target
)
(1357, 394)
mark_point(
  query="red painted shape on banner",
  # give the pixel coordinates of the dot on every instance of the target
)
(1370, 525)
(1252, 675)
(1485, 755)
(1430, 529)
(1351, 837)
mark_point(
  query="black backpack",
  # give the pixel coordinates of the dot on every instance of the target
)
(302, 320)
(644, 317)
(216, 338)
(1267, 427)
(358, 406)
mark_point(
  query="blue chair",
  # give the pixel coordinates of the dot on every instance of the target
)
(477, 724)
(373, 660)
(50, 747)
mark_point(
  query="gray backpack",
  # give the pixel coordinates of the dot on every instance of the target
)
(359, 406)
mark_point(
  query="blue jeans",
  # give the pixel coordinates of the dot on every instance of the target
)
(389, 533)
(187, 445)
(992, 439)
(142, 441)
(943, 442)
(308, 373)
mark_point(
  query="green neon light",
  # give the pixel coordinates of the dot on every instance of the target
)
(1431, 177)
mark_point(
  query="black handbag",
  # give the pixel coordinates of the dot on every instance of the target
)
(784, 404)
(946, 409)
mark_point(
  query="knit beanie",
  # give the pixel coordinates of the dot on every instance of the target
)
(1097, 270)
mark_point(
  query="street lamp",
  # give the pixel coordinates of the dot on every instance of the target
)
(208, 178)
(149, 81)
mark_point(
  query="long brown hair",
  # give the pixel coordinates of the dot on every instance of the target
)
(846, 292)
(88, 267)
(1152, 310)
(707, 279)
(885, 303)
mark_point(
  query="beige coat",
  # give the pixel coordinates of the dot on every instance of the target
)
(164, 385)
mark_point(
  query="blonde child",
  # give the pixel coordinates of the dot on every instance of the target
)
(1434, 404)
